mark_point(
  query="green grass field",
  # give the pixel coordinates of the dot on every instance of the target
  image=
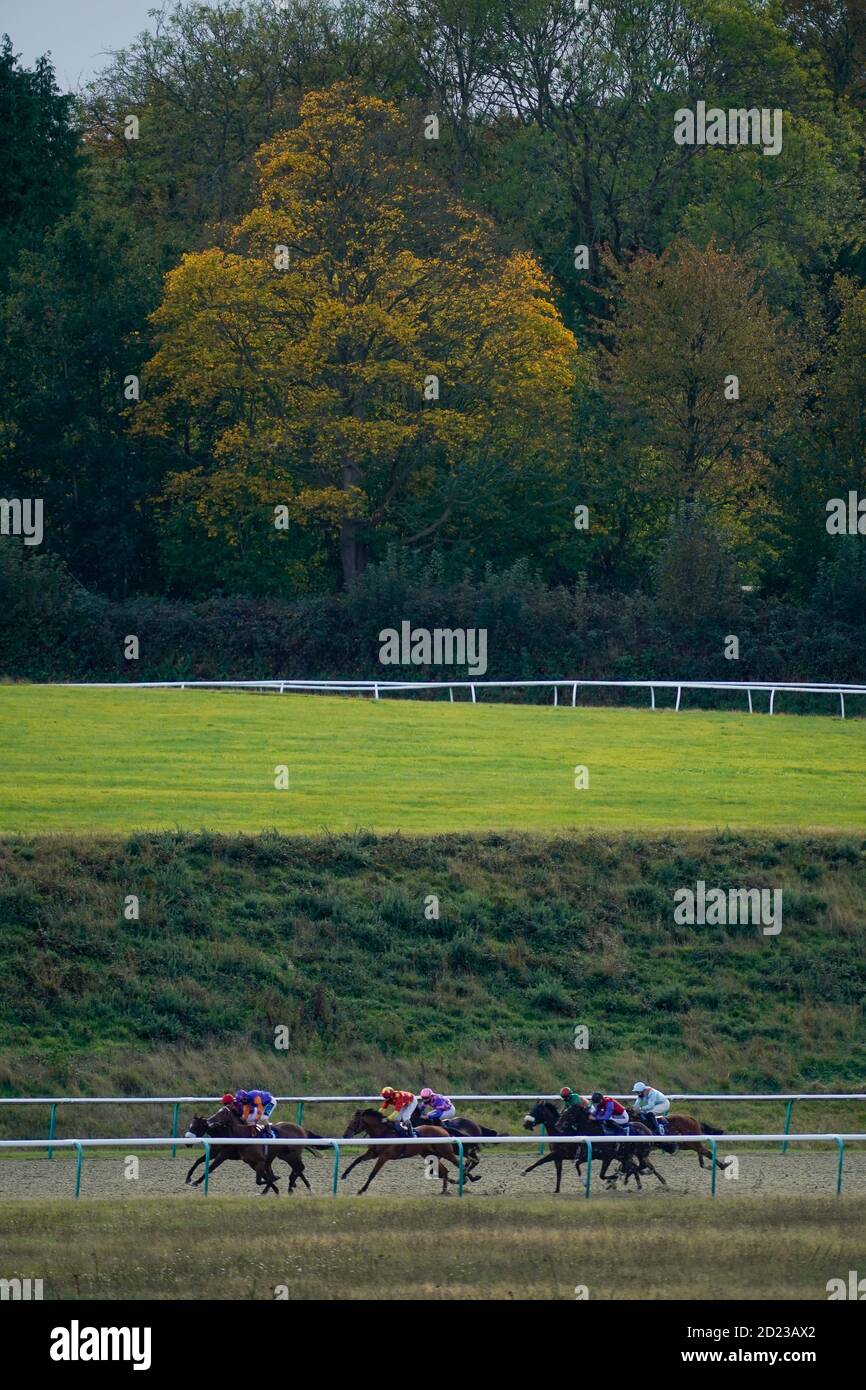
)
(532, 1248)
(102, 760)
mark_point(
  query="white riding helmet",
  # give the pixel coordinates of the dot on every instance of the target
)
(639, 1086)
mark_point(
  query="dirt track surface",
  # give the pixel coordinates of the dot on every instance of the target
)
(812, 1173)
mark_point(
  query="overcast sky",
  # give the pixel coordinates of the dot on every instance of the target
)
(77, 33)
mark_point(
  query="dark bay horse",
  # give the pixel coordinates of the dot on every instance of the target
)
(224, 1124)
(687, 1124)
(284, 1130)
(371, 1123)
(573, 1119)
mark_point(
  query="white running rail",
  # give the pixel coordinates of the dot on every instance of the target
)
(379, 688)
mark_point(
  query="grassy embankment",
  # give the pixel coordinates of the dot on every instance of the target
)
(329, 937)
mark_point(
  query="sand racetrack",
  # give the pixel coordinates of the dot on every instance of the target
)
(115, 1174)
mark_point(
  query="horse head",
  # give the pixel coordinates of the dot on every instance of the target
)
(544, 1113)
(361, 1121)
(221, 1122)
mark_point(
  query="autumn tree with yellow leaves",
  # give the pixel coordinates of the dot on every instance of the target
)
(360, 353)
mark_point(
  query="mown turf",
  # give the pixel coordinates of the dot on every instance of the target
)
(531, 1248)
(79, 760)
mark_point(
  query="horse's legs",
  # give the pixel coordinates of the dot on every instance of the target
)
(268, 1177)
(362, 1158)
(548, 1158)
(199, 1160)
(214, 1164)
(261, 1166)
(381, 1159)
(296, 1165)
(298, 1173)
(657, 1173)
(443, 1171)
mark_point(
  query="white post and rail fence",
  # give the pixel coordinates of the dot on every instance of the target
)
(338, 1145)
(53, 1103)
(377, 689)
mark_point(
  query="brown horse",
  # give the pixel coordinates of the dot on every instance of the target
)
(371, 1123)
(687, 1124)
(224, 1124)
(462, 1128)
(290, 1154)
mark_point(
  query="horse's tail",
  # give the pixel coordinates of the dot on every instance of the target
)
(710, 1129)
(311, 1134)
(488, 1132)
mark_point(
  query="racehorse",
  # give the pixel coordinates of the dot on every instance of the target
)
(291, 1154)
(687, 1124)
(371, 1123)
(224, 1124)
(462, 1126)
(545, 1113)
(633, 1158)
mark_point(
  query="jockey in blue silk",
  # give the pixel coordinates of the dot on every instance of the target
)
(256, 1108)
(650, 1104)
(436, 1108)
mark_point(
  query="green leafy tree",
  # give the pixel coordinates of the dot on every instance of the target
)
(38, 153)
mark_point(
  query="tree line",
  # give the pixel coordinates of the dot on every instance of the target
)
(292, 288)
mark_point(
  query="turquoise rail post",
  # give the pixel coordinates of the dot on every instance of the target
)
(588, 1168)
(541, 1145)
(336, 1176)
(78, 1163)
(206, 1143)
(839, 1165)
(460, 1173)
(713, 1147)
(300, 1120)
(174, 1119)
(52, 1127)
(788, 1109)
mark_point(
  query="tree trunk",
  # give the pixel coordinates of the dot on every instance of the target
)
(353, 553)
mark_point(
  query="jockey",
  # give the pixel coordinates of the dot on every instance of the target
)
(570, 1097)
(256, 1108)
(441, 1108)
(397, 1106)
(612, 1116)
(650, 1104)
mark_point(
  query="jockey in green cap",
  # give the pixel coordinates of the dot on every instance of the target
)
(570, 1097)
